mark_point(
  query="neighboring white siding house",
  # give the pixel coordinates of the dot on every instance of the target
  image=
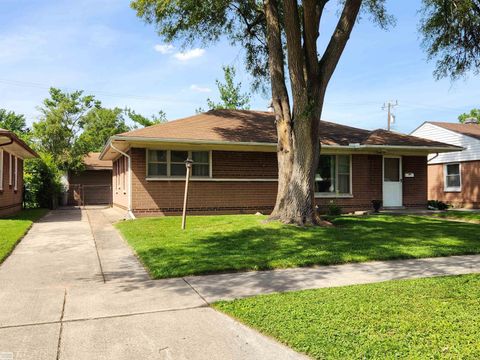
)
(454, 177)
(433, 132)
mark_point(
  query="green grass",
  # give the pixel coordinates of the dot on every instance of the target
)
(435, 318)
(243, 242)
(13, 228)
(470, 216)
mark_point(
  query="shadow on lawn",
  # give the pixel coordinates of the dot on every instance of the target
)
(356, 239)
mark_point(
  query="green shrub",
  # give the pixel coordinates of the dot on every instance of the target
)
(42, 182)
(334, 209)
(437, 204)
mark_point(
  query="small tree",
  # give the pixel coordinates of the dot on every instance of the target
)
(474, 113)
(231, 95)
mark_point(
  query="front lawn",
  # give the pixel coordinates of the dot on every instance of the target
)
(14, 227)
(435, 318)
(243, 242)
(471, 216)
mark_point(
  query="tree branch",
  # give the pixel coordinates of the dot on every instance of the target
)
(339, 39)
(296, 61)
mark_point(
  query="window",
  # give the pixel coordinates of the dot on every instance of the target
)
(125, 167)
(15, 179)
(1, 169)
(333, 175)
(171, 163)
(10, 168)
(453, 178)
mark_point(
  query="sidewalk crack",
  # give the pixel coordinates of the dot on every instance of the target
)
(59, 343)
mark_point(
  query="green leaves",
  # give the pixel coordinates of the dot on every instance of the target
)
(451, 34)
(231, 95)
(474, 113)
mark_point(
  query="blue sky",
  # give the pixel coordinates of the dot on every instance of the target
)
(100, 46)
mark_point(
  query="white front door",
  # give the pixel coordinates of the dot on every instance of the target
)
(392, 181)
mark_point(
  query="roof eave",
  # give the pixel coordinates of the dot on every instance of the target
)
(425, 148)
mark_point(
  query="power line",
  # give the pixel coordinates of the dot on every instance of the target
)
(97, 92)
(389, 105)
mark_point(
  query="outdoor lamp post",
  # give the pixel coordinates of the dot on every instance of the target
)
(188, 165)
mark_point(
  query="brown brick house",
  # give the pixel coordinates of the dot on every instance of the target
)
(454, 177)
(13, 151)
(92, 185)
(235, 165)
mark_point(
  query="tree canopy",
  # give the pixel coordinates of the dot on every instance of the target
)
(474, 113)
(16, 123)
(451, 35)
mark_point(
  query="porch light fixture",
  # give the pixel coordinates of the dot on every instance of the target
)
(188, 165)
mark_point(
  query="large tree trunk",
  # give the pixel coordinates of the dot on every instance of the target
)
(298, 149)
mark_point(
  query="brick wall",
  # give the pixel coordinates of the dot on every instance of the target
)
(469, 197)
(11, 200)
(205, 197)
(415, 189)
(244, 164)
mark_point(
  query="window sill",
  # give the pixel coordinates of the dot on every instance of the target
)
(333, 196)
(452, 190)
(210, 179)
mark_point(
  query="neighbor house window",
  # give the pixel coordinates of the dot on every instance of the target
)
(333, 175)
(15, 179)
(453, 178)
(171, 163)
(10, 169)
(1, 169)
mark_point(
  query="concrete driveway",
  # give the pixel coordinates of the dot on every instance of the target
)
(72, 289)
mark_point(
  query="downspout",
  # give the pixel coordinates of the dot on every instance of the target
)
(129, 190)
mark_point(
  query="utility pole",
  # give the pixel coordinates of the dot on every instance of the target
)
(389, 105)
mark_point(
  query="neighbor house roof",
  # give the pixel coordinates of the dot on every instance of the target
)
(92, 162)
(472, 130)
(10, 142)
(244, 127)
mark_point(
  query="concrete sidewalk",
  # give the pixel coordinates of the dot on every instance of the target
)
(72, 289)
(238, 285)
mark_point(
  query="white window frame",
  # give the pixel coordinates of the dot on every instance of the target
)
(125, 166)
(10, 170)
(15, 180)
(336, 194)
(1, 169)
(447, 188)
(169, 162)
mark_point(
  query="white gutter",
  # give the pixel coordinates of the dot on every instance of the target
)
(129, 210)
(433, 149)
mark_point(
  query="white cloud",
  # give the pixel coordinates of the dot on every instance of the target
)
(190, 54)
(200, 89)
(164, 48)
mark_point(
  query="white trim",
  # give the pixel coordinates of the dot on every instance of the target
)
(178, 178)
(169, 163)
(15, 180)
(10, 170)
(400, 177)
(452, 188)
(1, 169)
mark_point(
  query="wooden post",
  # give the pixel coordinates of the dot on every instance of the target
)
(188, 165)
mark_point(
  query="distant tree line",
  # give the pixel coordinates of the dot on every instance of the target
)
(70, 126)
